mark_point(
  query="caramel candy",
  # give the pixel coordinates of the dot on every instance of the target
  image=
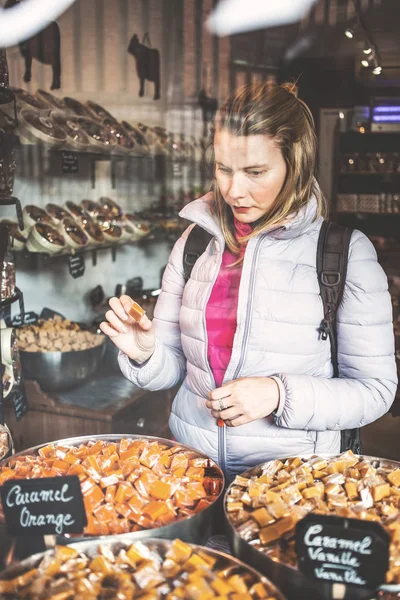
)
(262, 516)
(394, 477)
(351, 490)
(136, 311)
(314, 491)
(380, 491)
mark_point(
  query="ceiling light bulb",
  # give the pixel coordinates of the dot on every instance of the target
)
(367, 48)
(377, 70)
(365, 63)
(341, 115)
(349, 32)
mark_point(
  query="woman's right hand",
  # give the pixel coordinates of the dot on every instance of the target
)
(135, 338)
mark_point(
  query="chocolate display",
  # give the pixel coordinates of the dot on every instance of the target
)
(33, 214)
(124, 141)
(128, 485)
(72, 232)
(45, 238)
(27, 100)
(98, 112)
(76, 211)
(37, 127)
(111, 232)
(75, 136)
(77, 107)
(91, 229)
(100, 137)
(126, 570)
(57, 213)
(110, 208)
(264, 505)
(94, 209)
(137, 137)
(50, 100)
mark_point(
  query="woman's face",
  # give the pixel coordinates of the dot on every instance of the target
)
(250, 172)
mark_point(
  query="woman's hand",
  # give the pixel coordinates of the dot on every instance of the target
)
(244, 400)
(135, 338)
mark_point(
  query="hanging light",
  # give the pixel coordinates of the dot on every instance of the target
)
(367, 47)
(349, 32)
(377, 70)
(365, 63)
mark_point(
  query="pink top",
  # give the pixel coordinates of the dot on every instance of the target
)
(221, 310)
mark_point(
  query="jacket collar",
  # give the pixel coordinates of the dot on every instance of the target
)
(200, 212)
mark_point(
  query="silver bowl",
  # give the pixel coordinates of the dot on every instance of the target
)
(116, 543)
(57, 371)
(289, 578)
(194, 529)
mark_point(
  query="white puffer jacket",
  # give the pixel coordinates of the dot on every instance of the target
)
(279, 315)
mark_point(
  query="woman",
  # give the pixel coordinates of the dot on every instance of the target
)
(243, 333)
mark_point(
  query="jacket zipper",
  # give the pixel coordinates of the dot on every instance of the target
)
(221, 441)
(222, 426)
(249, 309)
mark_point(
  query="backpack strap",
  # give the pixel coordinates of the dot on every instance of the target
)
(196, 243)
(332, 260)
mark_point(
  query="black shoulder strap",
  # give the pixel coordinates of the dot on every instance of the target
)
(332, 259)
(196, 242)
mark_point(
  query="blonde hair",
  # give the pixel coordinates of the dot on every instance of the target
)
(278, 113)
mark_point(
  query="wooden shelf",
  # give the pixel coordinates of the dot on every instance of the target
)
(53, 417)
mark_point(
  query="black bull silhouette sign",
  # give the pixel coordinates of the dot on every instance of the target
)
(147, 64)
(45, 47)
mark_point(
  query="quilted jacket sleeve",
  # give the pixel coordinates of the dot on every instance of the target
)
(167, 366)
(367, 380)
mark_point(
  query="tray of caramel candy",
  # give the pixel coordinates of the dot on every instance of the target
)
(126, 569)
(263, 505)
(132, 484)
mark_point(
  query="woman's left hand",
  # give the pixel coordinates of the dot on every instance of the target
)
(244, 400)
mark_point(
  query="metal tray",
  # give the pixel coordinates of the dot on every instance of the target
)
(196, 529)
(115, 543)
(288, 578)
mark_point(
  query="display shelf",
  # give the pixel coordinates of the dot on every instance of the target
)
(25, 255)
(366, 184)
(353, 141)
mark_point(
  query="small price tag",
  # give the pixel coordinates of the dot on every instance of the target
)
(53, 505)
(69, 162)
(338, 550)
(76, 265)
(20, 402)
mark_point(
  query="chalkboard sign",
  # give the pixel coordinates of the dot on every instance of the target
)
(69, 162)
(339, 550)
(76, 265)
(53, 505)
(20, 402)
(30, 318)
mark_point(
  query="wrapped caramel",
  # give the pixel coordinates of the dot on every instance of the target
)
(152, 570)
(265, 506)
(128, 485)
